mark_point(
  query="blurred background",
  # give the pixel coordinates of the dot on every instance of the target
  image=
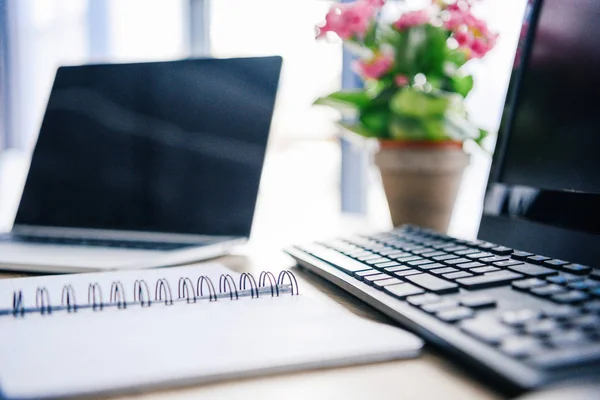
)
(314, 183)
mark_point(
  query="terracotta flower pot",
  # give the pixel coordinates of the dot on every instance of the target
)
(421, 180)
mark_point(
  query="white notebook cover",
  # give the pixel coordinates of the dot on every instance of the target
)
(117, 350)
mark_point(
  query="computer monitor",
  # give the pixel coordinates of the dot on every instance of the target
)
(543, 194)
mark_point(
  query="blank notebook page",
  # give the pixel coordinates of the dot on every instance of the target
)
(115, 350)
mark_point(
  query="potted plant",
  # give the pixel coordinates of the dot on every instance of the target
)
(413, 97)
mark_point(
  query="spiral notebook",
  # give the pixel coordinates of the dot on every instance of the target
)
(113, 332)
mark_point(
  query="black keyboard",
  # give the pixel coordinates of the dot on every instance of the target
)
(526, 320)
(73, 241)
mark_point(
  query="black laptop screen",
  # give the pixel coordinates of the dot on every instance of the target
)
(544, 191)
(175, 147)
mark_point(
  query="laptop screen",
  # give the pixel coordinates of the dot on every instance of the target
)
(544, 190)
(172, 147)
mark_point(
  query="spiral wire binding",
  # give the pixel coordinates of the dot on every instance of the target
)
(245, 277)
(141, 291)
(67, 299)
(262, 282)
(18, 309)
(95, 297)
(205, 290)
(42, 301)
(185, 289)
(163, 287)
(227, 285)
(117, 295)
(212, 295)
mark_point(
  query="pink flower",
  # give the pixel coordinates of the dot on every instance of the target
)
(401, 80)
(412, 18)
(376, 3)
(374, 68)
(463, 38)
(479, 48)
(347, 20)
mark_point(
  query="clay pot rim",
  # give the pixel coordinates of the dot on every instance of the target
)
(419, 144)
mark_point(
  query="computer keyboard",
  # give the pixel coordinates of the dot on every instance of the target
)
(524, 319)
(74, 241)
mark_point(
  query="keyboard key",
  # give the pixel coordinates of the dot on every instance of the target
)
(537, 259)
(493, 259)
(455, 315)
(403, 290)
(465, 252)
(421, 251)
(472, 264)
(439, 306)
(571, 337)
(369, 279)
(378, 261)
(521, 255)
(455, 261)
(434, 254)
(490, 279)
(433, 283)
(483, 270)
(592, 306)
(408, 258)
(369, 256)
(481, 254)
(563, 279)
(595, 292)
(501, 250)
(487, 330)
(440, 271)
(521, 346)
(419, 262)
(548, 290)
(431, 266)
(566, 357)
(456, 248)
(586, 284)
(445, 257)
(588, 322)
(409, 272)
(595, 275)
(528, 283)
(576, 269)
(485, 245)
(361, 274)
(506, 263)
(533, 270)
(387, 264)
(423, 299)
(397, 268)
(457, 275)
(478, 302)
(520, 317)
(555, 263)
(573, 296)
(541, 328)
(560, 312)
(340, 261)
(386, 282)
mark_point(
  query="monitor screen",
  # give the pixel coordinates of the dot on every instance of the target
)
(544, 188)
(172, 147)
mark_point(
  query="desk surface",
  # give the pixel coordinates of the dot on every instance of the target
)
(430, 376)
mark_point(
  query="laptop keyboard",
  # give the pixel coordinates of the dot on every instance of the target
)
(541, 311)
(72, 241)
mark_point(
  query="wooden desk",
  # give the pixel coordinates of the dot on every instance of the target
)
(430, 376)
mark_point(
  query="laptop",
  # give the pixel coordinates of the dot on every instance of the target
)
(520, 306)
(144, 165)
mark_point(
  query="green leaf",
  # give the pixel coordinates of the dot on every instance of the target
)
(359, 129)
(355, 99)
(402, 128)
(376, 121)
(459, 128)
(414, 103)
(456, 57)
(462, 85)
